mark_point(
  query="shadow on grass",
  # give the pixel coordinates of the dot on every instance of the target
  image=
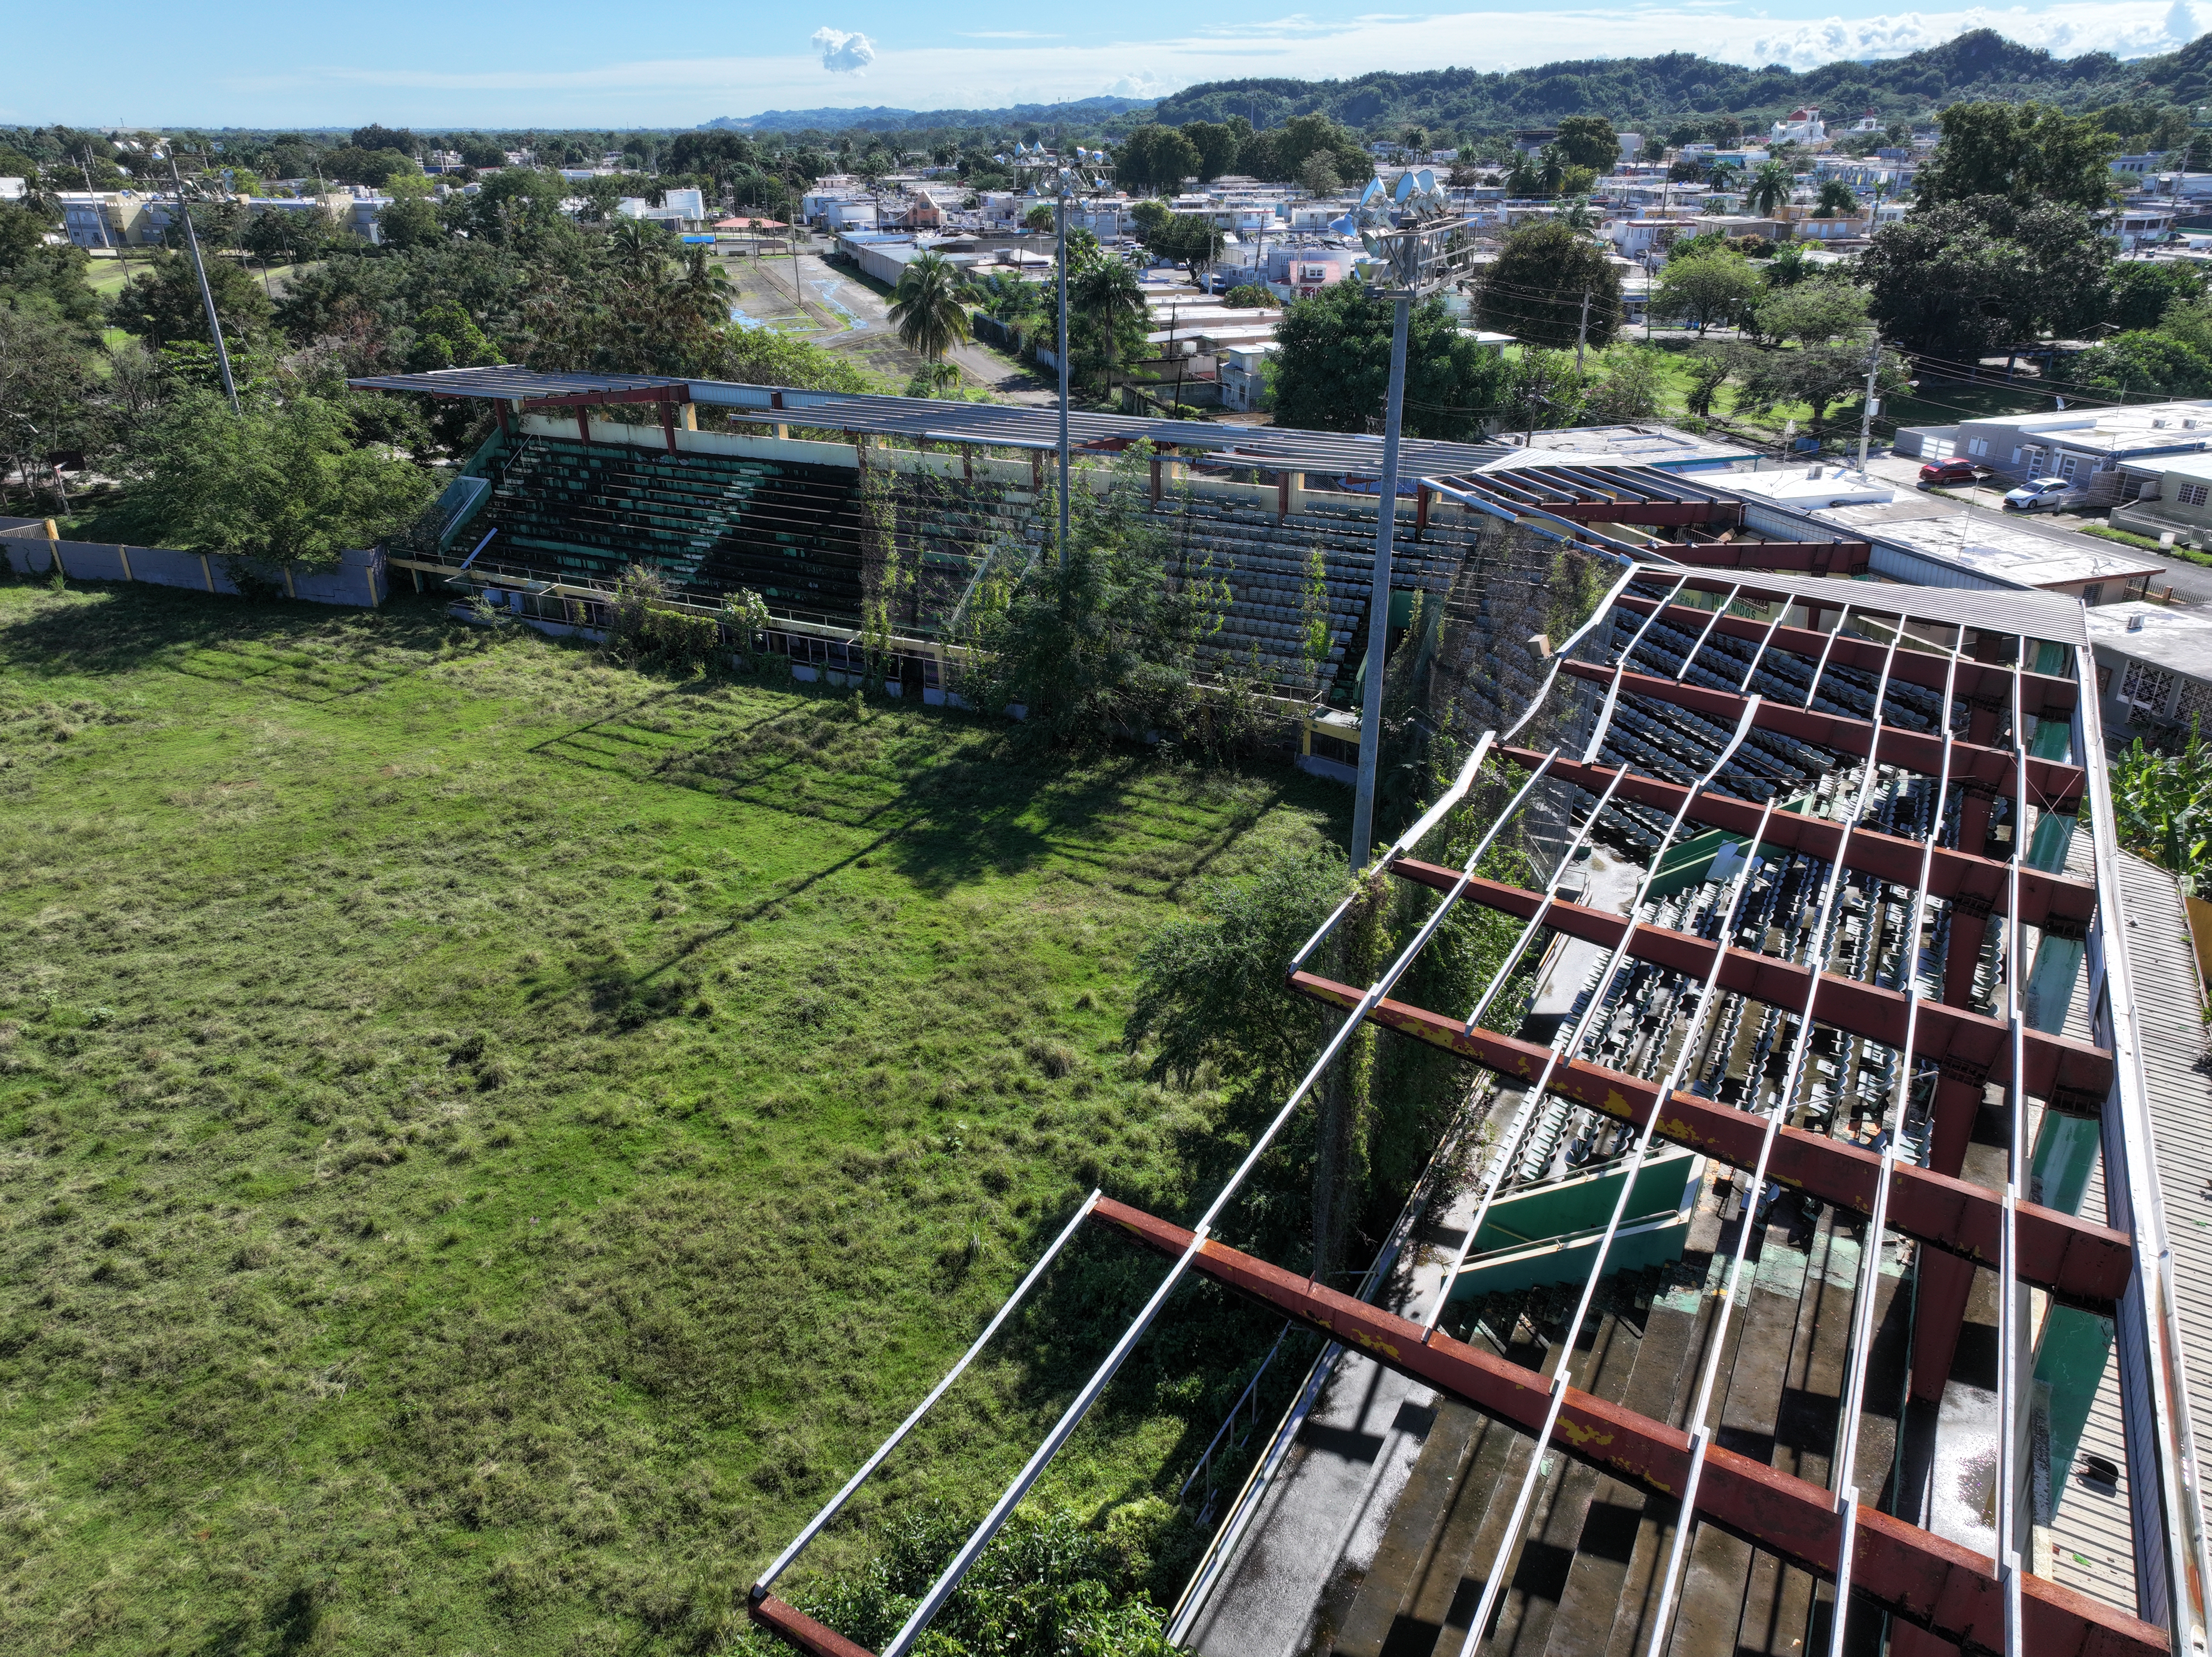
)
(132, 625)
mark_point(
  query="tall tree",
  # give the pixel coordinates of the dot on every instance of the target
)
(1589, 141)
(927, 306)
(1334, 364)
(1535, 289)
(1154, 158)
(2022, 152)
(1216, 144)
(1111, 306)
(1707, 287)
(1768, 192)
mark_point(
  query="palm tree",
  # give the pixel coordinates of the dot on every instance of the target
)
(1577, 214)
(1836, 197)
(1724, 176)
(927, 307)
(707, 288)
(1552, 166)
(634, 246)
(1772, 183)
(1106, 291)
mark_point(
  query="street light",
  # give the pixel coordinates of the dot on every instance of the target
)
(1413, 249)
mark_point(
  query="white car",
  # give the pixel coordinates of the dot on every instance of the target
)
(2042, 494)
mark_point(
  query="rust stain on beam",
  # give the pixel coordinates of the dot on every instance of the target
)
(2052, 783)
(2073, 1076)
(1656, 514)
(1934, 1584)
(796, 1628)
(1953, 875)
(2084, 1264)
(1794, 557)
(2043, 695)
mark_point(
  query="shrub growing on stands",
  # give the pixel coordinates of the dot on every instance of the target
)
(1109, 652)
(643, 627)
(744, 612)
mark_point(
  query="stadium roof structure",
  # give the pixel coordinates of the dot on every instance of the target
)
(1899, 967)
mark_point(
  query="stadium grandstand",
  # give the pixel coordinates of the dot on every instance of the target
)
(1808, 1271)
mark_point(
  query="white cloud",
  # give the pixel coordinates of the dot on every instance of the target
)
(2064, 29)
(843, 53)
(2181, 23)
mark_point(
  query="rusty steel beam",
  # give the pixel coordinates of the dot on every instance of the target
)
(1914, 1576)
(677, 392)
(2057, 786)
(1656, 514)
(796, 1628)
(1836, 558)
(2081, 1263)
(2074, 1074)
(1958, 876)
(2043, 695)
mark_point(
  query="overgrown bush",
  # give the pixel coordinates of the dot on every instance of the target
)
(1048, 1586)
(1102, 643)
(643, 627)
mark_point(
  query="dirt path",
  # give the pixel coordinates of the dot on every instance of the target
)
(830, 306)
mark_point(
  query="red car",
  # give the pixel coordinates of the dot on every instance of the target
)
(1952, 471)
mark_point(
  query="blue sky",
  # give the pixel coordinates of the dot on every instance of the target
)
(565, 62)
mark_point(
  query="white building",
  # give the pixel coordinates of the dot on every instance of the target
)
(1242, 371)
(1800, 126)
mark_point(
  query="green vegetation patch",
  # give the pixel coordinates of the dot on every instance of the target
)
(488, 1138)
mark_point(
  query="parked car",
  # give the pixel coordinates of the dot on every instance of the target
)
(2043, 494)
(1951, 471)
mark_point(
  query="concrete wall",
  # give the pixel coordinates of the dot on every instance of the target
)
(359, 577)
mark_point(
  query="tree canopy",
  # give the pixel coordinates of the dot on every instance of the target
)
(1534, 290)
(1333, 368)
(2022, 152)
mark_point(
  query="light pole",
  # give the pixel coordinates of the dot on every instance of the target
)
(207, 295)
(1065, 181)
(1415, 257)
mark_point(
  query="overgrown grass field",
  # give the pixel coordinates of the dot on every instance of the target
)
(492, 1137)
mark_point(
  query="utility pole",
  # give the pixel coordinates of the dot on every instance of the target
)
(1867, 408)
(1582, 330)
(207, 295)
(1378, 596)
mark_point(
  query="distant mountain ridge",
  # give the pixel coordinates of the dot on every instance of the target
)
(882, 119)
(1977, 65)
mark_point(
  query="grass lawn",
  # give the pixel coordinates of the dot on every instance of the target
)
(490, 1138)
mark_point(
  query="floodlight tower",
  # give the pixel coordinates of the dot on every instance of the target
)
(1065, 182)
(207, 296)
(1413, 246)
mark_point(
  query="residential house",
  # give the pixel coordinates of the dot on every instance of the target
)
(2089, 447)
(1242, 371)
(2166, 495)
(2154, 670)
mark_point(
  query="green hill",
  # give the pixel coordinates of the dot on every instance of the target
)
(1979, 64)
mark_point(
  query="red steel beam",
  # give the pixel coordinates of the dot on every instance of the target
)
(795, 1628)
(2074, 1073)
(1658, 514)
(2081, 1263)
(1954, 876)
(2055, 786)
(2043, 695)
(1813, 557)
(1915, 1575)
